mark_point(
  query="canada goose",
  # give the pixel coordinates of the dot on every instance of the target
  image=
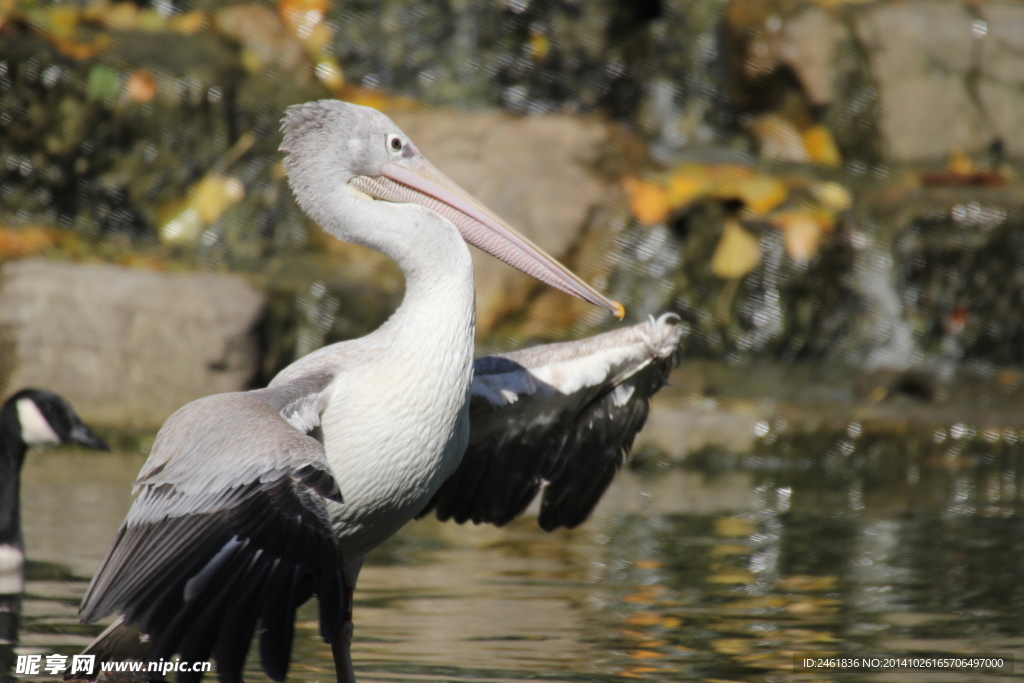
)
(28, 418)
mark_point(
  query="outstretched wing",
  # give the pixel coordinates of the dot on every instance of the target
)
(561, 417)
(229, 527)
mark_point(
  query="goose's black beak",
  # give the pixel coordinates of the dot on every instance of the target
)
(85, 436)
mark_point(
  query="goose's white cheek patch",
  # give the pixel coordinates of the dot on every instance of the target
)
(34, 427)
(11, 559)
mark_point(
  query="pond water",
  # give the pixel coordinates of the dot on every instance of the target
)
(718, 571)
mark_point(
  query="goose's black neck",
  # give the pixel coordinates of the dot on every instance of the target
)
(12, 455)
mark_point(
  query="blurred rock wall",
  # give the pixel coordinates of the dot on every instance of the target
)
(126, 347)
(799, 179)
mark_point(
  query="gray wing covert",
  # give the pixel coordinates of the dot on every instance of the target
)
(229, 528)
(561, 417)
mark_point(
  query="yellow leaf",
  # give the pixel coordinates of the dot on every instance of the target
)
(151, 21)
(141, 86)
(320, 36)
(683, 188)
(183, 227)
(642, 619)
(377, 98)
(734, 526)
(329, 72)
(540, 45)
(649, 564)
(959, 163)
(214, 194)
(802, 237)
(732, 646)
(737, 254)
(648, 201)
(832, 196)
(638, 672)
(803, 231)
(761, 194)
(803, 583)
(647, 654)
(727, 550)
(732, 577)
(779, 139)
(821, 147)
(301, 15)
(16, 243)
(122, 16)
(63, 21)
(188, 23)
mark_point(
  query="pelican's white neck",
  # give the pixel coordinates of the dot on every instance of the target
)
(439, 290)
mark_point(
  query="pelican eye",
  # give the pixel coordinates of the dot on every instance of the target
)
(395, 143)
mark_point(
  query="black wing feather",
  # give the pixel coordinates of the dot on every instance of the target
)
(572, 451)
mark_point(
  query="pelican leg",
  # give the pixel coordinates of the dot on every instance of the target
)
(342, 650)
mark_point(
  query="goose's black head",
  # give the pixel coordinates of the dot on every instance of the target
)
(35, 416)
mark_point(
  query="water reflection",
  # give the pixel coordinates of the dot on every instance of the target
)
(835, 542)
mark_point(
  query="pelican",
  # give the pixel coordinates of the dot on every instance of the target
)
(250, 503)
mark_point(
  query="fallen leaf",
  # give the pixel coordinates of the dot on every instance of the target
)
(300, 16)
(141, 86)
(647, 200)
(151, 21)
(737, 254)
(779, 139)
(643, 619)
(540, 45)
(734, 526)
(761, 193)
(649, 564)
(102, 82)
(821, 147)
(728, 550)
(377, 98)
(684, 187)
(122, 16)
(320, 36)
(329, 72)
(207, 200)
(189, 23)
(214, 194)
(959, 163)
(732, 646)
(732, 577)
(802, 237)
(802, 583)
(833, 196)
(21, 242)
(63, 21)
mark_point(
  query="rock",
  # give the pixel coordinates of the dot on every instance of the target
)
(126, 347)
(904, 82)
(810, 42)
(921, 55)
(531, 171)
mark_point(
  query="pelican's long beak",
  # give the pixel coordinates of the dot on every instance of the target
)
(417, 180)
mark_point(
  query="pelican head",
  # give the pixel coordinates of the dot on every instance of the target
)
(336, 147)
